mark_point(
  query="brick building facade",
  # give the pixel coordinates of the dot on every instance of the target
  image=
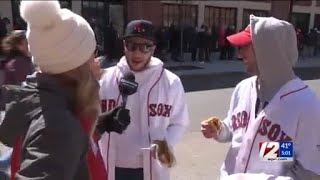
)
(305, 13)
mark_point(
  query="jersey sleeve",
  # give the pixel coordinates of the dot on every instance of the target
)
(179, 119)
(225, 134)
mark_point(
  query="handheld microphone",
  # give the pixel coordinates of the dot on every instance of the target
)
(127, 87)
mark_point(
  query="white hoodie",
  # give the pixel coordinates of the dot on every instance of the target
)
(158, 111)
(293, 112)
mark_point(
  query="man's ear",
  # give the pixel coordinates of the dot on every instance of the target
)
(153, 49)
(124, 44)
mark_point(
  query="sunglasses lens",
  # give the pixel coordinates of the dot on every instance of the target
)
(145, 48)
(131, 46)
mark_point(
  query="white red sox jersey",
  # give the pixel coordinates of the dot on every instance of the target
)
(157, 110)
(293, 115)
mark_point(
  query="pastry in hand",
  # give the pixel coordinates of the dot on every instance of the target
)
(164, 153)
(215, 122)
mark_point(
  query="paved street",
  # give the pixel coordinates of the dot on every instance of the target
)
(199, 158)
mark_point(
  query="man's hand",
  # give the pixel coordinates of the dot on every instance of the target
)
(211, 127)
(115, 121)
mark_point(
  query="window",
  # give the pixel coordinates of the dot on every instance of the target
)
(301, 21)
(248, 12)
(95, 12)
(117, 17)
(100, 14)
(116, 2)
(302, 2)
(179, 14)
(219, 16)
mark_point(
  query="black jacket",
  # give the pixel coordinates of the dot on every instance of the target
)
(55, 145)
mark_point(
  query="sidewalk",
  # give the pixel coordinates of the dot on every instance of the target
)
(225, 67)
(189, 68)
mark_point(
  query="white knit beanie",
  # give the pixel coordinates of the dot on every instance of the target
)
(59, 39)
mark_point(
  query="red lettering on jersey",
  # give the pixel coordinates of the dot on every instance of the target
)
(264, 128)
(167, 110)
(111, 104)
(273, 131)
(244, 119)
(159, 110)
(234, 123)
(152, 110)
(104, 105)
(240, 120)
(284, 137)
(107, 104)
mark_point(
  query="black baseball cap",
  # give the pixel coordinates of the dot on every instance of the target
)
(140, 28)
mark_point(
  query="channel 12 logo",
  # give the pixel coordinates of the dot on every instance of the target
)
(276, 151)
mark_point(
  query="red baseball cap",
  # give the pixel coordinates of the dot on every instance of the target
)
(241, 38)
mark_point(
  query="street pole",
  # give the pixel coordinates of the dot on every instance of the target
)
(181, 31)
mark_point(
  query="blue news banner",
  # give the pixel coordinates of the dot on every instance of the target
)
(276, 151)
(286, 150)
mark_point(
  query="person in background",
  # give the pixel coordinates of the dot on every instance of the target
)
(300, 41)
(19, 24)
(222, 42)
(17, 63)
(230, 49)
(3, 26)
(204, 44)
(311, 43)
(110, 38)
(3, 30)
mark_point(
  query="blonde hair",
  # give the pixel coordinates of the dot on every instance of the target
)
(85, 91)
(10, 43)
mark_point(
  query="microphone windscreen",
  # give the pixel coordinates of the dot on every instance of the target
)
(129, 76)
(127, 84)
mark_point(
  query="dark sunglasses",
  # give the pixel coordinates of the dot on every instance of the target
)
(143, 47)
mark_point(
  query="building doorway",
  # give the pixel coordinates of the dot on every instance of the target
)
(106, 18)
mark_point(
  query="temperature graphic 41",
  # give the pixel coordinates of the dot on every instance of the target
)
(276, 151)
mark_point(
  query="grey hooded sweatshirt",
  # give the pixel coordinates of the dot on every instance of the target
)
(276, 54)
(54, 146)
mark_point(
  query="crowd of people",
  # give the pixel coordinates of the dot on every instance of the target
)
(199, 42)
(308, 43)
(67, 118)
